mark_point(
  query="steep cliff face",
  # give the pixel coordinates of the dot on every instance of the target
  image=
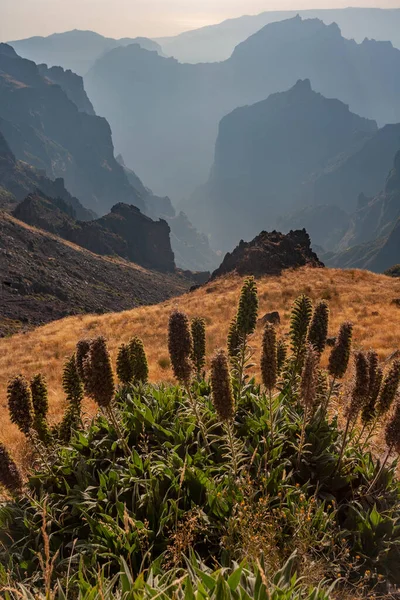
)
(45, 128)
(191, 248)
(124, 232)
(270, 254)
(141, 92)
(19, 179)
(372, 240)
(267, 155)
(71, 84)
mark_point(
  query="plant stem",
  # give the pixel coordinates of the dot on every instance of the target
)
(361, 434)
(302, 437)
(232, 447)
(199, 420)
(241, 369)
(325, 407)
(370, 432)
(383, 465)
(271, 416)
(343, 445)
(118, 431)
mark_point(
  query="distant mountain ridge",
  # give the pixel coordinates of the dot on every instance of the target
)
(172, 110)
(76, 50)
(216, 42)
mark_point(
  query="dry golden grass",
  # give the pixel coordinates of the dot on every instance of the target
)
(359, 296)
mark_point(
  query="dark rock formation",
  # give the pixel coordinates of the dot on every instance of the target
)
(72, 85)
(44, 278)
(270, 254)
(124, 232)
(272, 317)
(44, 127)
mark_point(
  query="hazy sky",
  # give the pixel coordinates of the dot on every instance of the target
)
(152, 18)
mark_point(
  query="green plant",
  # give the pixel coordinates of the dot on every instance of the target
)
(41, 407)
(318, 331)
(73, 389)
(299, 323)
(139, 360)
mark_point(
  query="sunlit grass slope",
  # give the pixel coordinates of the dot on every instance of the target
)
(360, 296)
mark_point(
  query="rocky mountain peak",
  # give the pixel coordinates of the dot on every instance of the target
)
(270, 254)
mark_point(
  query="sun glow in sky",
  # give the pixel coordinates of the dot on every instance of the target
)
(151, 18)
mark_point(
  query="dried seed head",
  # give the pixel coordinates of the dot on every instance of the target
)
(99, 379)
(198, 328)
(269, 368)
(39, 396)
(340, 354)
(10, 477)
(221, 386)
(125, 364)
(309, 378)
(82, 350)
(360, 391)
(389, 389)
(72, 384)
(234, 340)
(375, 382)
(248, 308)
(139, 360)
(299, 322)
(392, 431)
(180, 346)
(20, 403)
(318, 331)
(281, 354)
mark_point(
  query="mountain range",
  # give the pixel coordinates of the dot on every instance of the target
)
(75, 50)
(52, 131)
(164, 114)
(216, 42)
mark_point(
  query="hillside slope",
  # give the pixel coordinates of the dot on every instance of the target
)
(360, 296)
(44, 278)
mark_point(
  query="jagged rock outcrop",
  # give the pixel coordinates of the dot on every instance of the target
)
(124, 232)
(44, 127)
(270, 254)
(44, 278)
(17, 179)
(72, 85)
